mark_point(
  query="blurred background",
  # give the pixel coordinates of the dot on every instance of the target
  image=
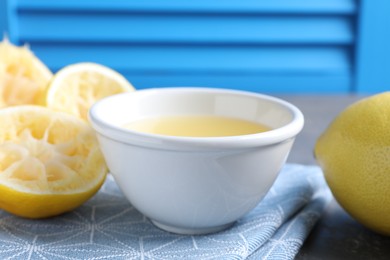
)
(278, 46)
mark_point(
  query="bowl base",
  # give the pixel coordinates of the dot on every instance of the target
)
(190, 231)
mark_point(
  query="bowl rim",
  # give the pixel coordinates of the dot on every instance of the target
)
(128, 136)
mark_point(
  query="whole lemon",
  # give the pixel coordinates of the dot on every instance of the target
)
(354, 153)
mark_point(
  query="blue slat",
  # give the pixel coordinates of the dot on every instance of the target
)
(208, 59)
(165, 28)
(282, 83)
(267, 6)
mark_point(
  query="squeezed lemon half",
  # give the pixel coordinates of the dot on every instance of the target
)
(76, 87)
(50, 162)
(23, 77)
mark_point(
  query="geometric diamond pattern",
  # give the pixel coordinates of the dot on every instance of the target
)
(108, 227)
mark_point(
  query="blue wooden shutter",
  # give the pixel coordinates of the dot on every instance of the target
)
(262, 45)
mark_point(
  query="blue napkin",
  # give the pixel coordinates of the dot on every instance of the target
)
(108, 227)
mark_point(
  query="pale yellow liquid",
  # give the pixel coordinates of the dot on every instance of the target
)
(196, 126)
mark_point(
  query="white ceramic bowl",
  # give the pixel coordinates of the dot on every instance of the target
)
(194, 185)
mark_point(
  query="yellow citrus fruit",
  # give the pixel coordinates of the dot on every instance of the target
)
(354, 153)
(23, 77)
(76, 87)
(50, 162)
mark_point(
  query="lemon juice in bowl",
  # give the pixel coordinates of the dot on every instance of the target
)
(196, 126)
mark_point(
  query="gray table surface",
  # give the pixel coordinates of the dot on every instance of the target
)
(336, 235)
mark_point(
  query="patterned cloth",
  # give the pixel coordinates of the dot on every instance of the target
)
(108, 227)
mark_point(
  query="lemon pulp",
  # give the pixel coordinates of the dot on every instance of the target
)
(23, 77)
(76, 87)
(50, 162)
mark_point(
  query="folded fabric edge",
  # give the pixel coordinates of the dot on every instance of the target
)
(289, 238)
